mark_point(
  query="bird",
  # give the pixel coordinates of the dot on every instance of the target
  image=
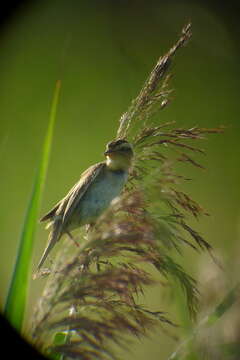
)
(97, 187)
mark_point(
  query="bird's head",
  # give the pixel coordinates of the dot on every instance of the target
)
(119, 154)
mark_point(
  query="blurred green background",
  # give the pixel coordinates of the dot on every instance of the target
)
(103, 51)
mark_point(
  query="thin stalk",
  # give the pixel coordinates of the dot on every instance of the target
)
(209, 320)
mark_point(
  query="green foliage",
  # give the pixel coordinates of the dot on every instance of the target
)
(229, 351)
(18, 290)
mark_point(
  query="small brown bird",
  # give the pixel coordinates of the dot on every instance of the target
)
(91, 195)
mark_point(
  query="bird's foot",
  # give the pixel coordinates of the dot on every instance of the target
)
(72, 238)
(89, 227)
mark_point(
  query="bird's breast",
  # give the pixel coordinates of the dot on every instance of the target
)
(100, 193)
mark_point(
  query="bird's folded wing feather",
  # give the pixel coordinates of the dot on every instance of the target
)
(50, 214)
(66, 206)
(75, 195)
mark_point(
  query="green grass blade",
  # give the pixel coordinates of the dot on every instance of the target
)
(18, 290)
(184, 348)
(228, 301)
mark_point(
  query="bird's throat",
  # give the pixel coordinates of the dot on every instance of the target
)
(118, 163)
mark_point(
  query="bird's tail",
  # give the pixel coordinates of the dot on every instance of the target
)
(53, 238)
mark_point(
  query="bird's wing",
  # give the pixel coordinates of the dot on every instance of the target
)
(65, 206)
(54, 236)
(72, 199)
(50, 214)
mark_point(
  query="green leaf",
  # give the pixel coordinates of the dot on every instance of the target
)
(18, 290)
(184, 349)
(231, 297)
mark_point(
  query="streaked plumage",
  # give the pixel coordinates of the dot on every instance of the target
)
(91, 195)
